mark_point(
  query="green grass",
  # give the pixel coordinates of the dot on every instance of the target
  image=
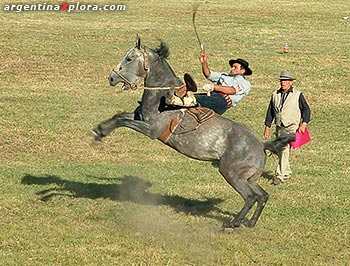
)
(65, 202)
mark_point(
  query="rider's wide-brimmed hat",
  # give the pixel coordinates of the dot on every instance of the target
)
(286, 75)
(243, 63)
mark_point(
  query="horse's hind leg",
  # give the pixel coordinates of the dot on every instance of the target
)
(263, 196)
(237, 177)
(249, 197)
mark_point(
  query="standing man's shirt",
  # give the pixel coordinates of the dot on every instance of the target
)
(279, 98)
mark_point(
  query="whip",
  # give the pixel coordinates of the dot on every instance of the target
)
(195, 8)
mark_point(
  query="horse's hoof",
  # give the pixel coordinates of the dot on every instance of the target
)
(231, 229)
(249, 224)
(228, 230)
(97, 138)
(96, 142)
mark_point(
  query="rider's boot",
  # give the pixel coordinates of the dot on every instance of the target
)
(183, 96)
(190, 83)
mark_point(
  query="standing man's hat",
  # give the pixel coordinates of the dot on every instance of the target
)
(243, 63)
(286, 75)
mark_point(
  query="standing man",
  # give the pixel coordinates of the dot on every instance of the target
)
(290, 111)
(226, 90)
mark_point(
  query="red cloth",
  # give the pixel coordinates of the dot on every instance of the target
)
(301, 139)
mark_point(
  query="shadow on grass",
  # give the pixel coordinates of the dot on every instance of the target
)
(130, 188)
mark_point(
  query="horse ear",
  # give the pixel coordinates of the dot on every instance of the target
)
(138, 41)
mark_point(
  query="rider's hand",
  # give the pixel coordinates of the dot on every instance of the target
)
(208, 87)
(203, 57)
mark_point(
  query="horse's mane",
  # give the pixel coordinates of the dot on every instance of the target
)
(162, 50)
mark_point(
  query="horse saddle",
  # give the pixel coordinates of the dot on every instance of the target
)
(200, 114)
(190, 85)
(185, 121)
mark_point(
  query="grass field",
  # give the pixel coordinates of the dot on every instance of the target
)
(133, 201)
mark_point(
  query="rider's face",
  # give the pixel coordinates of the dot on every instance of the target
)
(237, 69)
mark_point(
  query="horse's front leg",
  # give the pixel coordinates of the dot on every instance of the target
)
(106, 127)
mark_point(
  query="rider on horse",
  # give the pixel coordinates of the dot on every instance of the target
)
(227, 88)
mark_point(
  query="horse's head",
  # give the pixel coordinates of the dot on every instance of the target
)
(142, 62)
(133, 66)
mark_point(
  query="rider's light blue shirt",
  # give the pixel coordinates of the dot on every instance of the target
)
(241, 85)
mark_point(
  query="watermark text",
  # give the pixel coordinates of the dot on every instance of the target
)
(64, 6)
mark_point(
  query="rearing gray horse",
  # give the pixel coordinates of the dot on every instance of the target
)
(239, 153)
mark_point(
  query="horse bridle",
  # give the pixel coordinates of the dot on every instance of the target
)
(146, 67)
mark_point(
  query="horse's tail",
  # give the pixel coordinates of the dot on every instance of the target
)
(277, 145)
